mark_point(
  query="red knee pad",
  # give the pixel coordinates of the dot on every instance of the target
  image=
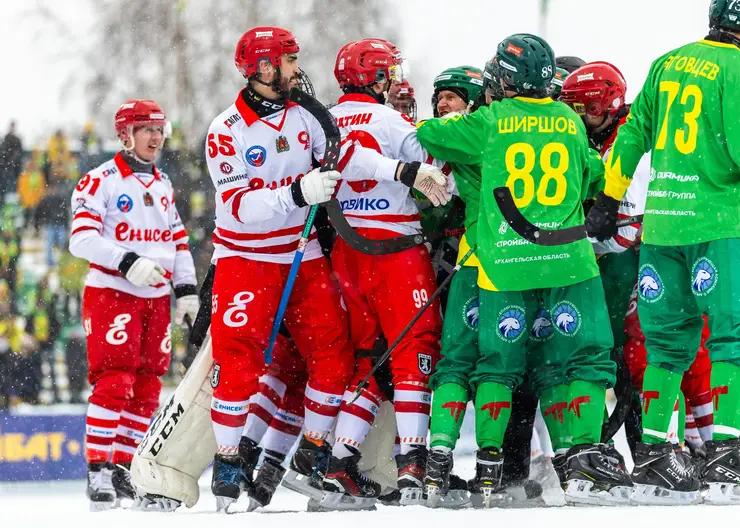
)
(111, 389)
(145, 401)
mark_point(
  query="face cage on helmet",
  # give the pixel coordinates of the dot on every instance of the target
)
(305, 84)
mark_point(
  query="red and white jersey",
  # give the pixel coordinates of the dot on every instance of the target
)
(117, 211)
(383, 205)
(633, 203)
(253, 161)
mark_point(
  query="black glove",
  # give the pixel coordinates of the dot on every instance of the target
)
(601, 222)
(409, 172)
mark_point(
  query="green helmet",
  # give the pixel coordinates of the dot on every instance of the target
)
(525, 63)
(556, 85)
(724, 14)
(466, 81)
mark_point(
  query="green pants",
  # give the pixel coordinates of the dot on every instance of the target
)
(618, 274)
(460, 331)
(556, 335)
(679, 284)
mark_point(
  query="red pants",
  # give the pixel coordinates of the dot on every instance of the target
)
(128, 349)
(383, 293)
(246, 294)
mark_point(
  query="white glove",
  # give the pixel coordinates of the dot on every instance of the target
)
(317, 187)
(145, 272)
(432, 183)
(186, 305)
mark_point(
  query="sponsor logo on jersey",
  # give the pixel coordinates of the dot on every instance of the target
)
(281, 144)
(256, 156)
(225, 167)
(354, 119)
(704, 276)
(470, 313)
(125, 233)
(109, 172)
(542, 326)
(232, 120)
(215, 375)
(333, 400)
(511, 323)
(424, 363)
(125, 203)
(365, 204)
(514, 50)
(566, 317)
(148, 200)
(649, 284)
(234, 408)
(232, 179)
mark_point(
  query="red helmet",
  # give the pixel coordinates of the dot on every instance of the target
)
(366, 62)
(595, 89)
(403, 89)
(263, 43)
(138, 112)
(396, 52)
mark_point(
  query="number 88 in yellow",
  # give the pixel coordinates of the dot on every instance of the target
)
(524, 173)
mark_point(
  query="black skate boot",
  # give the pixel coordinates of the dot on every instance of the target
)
(249, 452)
(343, 476)
(100, 488)
(122, 482)
(723, 472)
(661, 478)
(227, 480)
(392, 498)
(486, 489)
(437, 477)
(267, 480)
(307, 468)
(411, 468)
(593, 479)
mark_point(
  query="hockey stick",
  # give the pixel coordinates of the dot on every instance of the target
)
(540, 236)
(331, 156)
(361, 386)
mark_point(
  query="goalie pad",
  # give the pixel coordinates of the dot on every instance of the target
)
(179, 444)
(377, 459)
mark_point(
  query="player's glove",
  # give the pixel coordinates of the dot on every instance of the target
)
(187, 303)
(601, 222)
(141, 271)
(315, 187)
(427, 179)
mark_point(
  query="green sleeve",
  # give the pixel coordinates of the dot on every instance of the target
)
(458, 139)
(633, 139)
(731, 113)
(594, 174)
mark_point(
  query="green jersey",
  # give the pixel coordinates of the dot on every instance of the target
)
(688, 115)
(539, 149)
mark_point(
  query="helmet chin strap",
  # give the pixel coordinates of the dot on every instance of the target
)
(130, 149)
(274, 84)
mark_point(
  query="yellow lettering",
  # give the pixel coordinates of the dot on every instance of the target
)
(37, 447)
(712, 75)
(547, 125)
(697, 67)
(521, 124)
(705, 69)
(531, 123)
(561, 124)
(572, 130)
(56, 440)
(505, 126)
(669, 61)
(690, 64)
(679, 64)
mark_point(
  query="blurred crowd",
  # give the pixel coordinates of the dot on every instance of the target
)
(42, 343)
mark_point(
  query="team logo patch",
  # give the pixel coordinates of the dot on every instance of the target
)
(425, 363)
(704, 276)
(125, 203)
(649, 284)
(511, 323)
(215, 375)
(566, 317)
(542, 327)
(470, 313)
(281, 144)
(256, 156)
(148, 200)
(226, 168)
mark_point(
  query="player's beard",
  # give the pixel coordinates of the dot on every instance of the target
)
(286, 83)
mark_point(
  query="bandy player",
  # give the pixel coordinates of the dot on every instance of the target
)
(259, 153)
(127, 227)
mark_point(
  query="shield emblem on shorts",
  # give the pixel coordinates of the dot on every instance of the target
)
(215, 375)
(425, 363)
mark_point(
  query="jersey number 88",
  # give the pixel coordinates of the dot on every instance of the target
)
(550, 172)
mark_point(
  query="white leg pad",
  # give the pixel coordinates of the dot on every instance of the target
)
(179, 444)
(377, 460)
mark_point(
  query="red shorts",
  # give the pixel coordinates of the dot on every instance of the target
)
(246, 294)
(383, 293)
(128, 348)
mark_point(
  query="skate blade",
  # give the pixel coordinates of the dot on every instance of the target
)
(343, 502)
(158, 504)
(254, 504)
(223, 504)
(454, 500)
(487, 498)
(722, 493)
(411, 497)
(301, 484)
(434, 496)
(656, 496)
(102, 506)
(582, 493)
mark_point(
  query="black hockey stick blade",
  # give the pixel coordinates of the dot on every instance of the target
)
(366, 245)
(327, 123)
(538, 235)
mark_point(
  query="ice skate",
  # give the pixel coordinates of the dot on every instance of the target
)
(307, 468)
(723, 472)
(593, 479)
(264, 486)
(411, 468)
(227, 481)
(486, 489)
(100, 488)
(121, 479)
(660, 477)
